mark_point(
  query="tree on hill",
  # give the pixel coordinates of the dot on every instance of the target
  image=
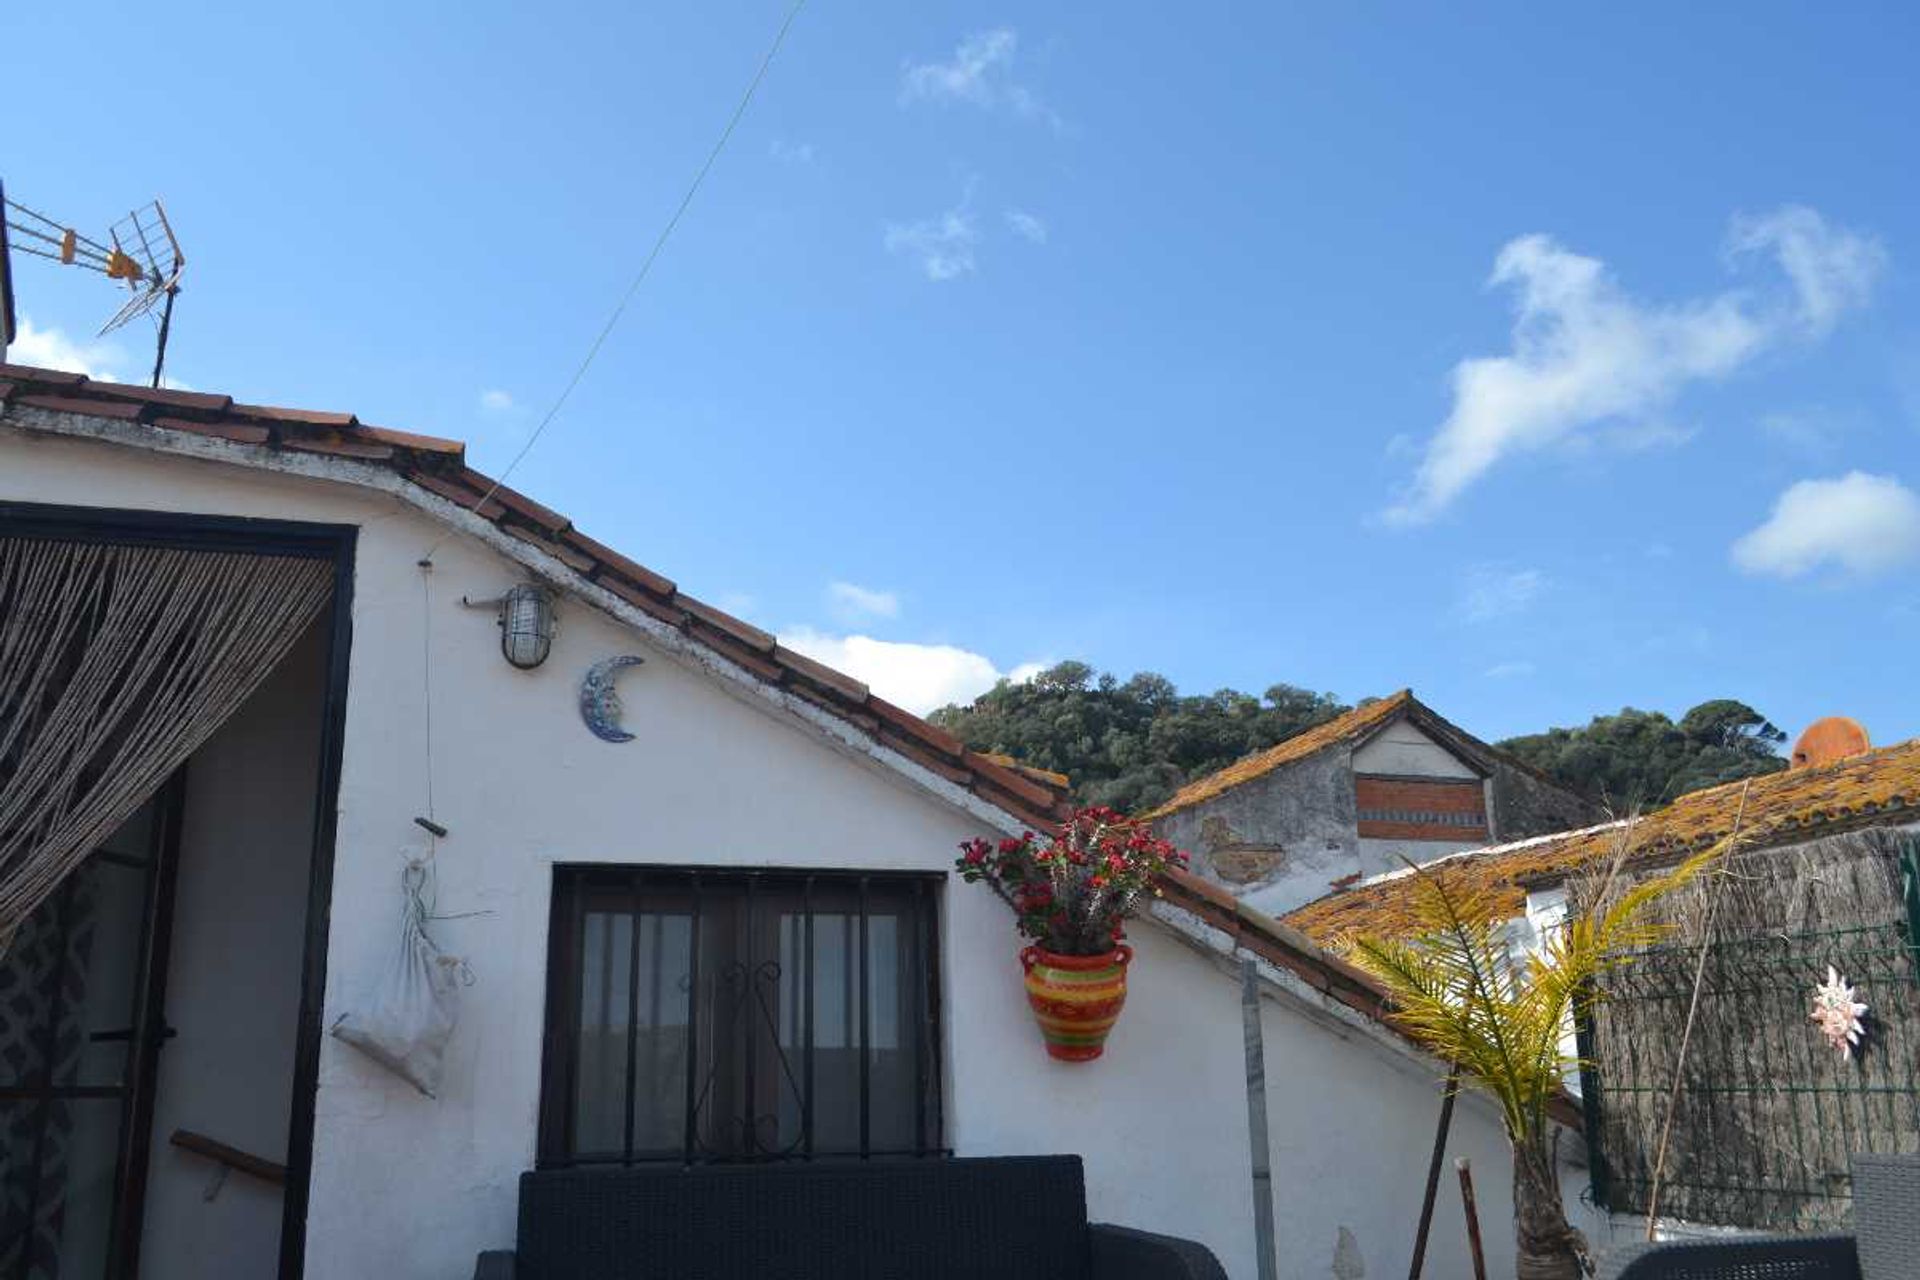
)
(1643, 759)
(1129, 744)
(1132, 743)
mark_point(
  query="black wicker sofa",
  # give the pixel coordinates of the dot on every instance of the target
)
(1010, 1218)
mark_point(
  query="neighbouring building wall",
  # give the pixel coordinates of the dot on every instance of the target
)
(239, 931)
(1311, 826)
(413, 1187)
(1279, 839)
(1525, 804)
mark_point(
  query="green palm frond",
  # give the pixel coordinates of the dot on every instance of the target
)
(1457, 988)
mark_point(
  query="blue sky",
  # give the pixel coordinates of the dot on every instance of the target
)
(1546, 362)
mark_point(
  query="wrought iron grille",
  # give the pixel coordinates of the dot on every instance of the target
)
(697, 1016)
(1768, 1115)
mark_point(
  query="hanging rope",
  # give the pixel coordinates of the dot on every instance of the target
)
(116, 664)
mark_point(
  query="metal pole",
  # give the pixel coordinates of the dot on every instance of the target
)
(1257, 1119)
(166, 324)
(1473, 1217)
(1433, 1175)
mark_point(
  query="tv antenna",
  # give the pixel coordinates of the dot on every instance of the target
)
(141, 252)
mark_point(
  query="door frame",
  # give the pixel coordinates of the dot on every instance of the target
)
(337, 544)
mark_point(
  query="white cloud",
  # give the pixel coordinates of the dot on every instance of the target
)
(919, 677)
(494, 400)
(1591, 362)
(1831, 270)
(1492, 592)
(1509, 670)
(1027, 226)
(795, 153)
(980, 73)
(853, 603)
(1861, 524)
(942, 246)
(52, 349)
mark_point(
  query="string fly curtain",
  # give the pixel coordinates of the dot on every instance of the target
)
(116, 663)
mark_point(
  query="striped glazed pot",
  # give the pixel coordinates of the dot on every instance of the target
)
(1076, 999)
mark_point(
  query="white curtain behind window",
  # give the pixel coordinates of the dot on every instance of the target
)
(116, 664)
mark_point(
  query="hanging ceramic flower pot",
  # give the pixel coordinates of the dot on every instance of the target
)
(1076, 999)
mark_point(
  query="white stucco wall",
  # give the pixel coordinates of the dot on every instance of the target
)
(1404, 750)
(233, 984)
(408, 1187)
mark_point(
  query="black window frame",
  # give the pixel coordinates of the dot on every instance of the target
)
(711, 888)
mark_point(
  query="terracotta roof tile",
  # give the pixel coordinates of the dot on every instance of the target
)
(339, 444)
(1780, 808)
(240, 432)
(437, 466)
(926, 757)
(612, 561)
(295, 417)
(645, 601)
(458, 494)
(739, 654)
(579, 561)
(821, 673)
(410, 440)
(725, 623)
(1047, 776)
(58, 403)
(907, 722)
(517, 502)
(171, 398)
(1008, 780)
(42, 377)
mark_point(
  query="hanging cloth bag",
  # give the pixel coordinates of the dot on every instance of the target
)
(415, 1009)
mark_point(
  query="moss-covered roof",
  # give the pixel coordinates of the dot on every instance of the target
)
(1355, 724)
(1878, 787)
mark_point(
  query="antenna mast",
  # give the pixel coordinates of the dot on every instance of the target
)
(142, 254)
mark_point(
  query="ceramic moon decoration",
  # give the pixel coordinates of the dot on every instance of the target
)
(600, 701)
(1837, 1013)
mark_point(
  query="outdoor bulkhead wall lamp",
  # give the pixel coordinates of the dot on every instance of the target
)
(526, 618)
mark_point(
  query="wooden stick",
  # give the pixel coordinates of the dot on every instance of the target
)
(1473, 1217)
(230, 1157)
(1433, 1175)
(1693, 1007)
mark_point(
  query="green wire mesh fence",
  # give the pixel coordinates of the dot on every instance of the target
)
(1768, 1114)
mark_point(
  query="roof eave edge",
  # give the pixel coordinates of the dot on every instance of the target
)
(367, 476)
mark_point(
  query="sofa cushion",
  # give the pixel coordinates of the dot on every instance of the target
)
(1013, 1218)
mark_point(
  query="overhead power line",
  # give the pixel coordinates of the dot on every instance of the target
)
(646, 265)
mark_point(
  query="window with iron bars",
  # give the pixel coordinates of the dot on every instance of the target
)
(696, 1016)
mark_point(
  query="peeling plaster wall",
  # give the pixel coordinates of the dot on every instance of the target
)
(405, 1186)
(1301, 815)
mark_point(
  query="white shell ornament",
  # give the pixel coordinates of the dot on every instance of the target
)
(1838, 1014)
(600, 701)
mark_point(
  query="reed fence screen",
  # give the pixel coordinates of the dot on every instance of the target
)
(1768, 1115)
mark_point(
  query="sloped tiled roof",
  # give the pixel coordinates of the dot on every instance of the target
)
(439, 467)
(1877, 788)
(1357, 723)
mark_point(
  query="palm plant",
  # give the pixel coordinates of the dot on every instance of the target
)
(1456, 988)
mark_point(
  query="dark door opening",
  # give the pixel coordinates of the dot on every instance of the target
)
(82, 1022)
